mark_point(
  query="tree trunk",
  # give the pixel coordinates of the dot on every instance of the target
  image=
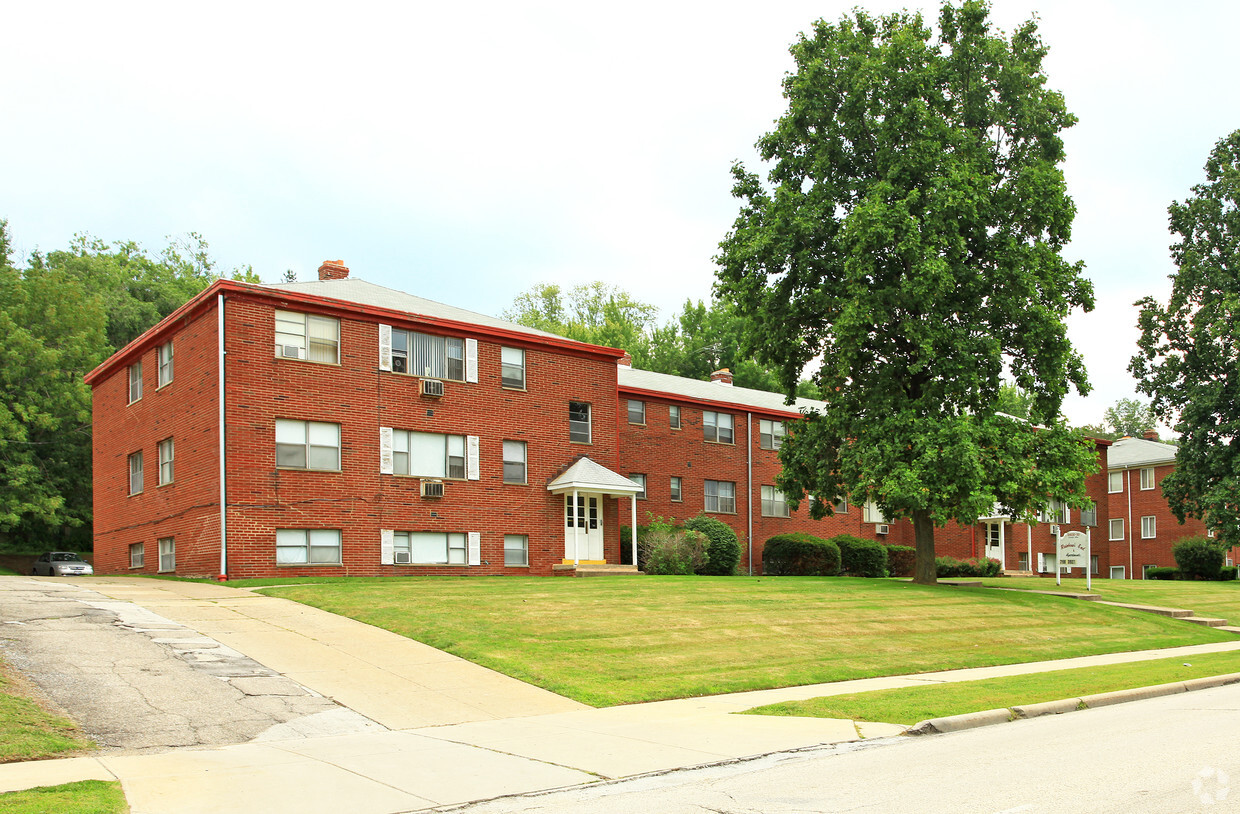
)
(924, 570)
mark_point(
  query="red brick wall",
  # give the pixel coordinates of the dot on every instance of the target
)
(1147, 502)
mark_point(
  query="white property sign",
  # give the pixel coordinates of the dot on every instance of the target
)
(1073, 550)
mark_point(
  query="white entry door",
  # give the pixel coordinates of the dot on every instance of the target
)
(994, 541)
(583, 528)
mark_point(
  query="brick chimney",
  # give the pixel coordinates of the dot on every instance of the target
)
(333, 270)
(722, 376)
(626, 360)
(1150, 435)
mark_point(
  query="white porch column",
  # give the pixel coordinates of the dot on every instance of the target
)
(1029, 542)
(1002, 545)
(633, 506)
(576, 528)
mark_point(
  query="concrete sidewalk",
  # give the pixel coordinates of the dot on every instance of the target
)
(453, 732)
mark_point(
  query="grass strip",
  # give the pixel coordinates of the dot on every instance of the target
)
(910, 705)
(27, 731)
(1219, 599)
(83, 797)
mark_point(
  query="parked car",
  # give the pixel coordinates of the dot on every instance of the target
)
(61, 564)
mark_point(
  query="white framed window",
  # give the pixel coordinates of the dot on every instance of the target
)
(165, 461)
(641, 481)
(431, 547)
(514, 462)
(720, 496)
(676, 491)
(516, 551)
(1145, 570)
(717, 427)
(428, 356)
(137, 555)
(770, 434)
(307, 336)
(428, 454)
(673, 416)
(637, 411)
(135, 382)
(167, 554)
(1060, 512)
(308, 547)
(1116, 529)
(512, 368)
(1210, 534)
(871, 514)
(841, 505)
(1149, 527)
(307, 445)
(1022, 561)
(165, 363)
(1093, 564)
(135, 473)
(773, 503)
(579, 422)
(1147, 478)
(1115, 482)
(1089, 515)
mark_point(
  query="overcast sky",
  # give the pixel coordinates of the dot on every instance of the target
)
(466, 151)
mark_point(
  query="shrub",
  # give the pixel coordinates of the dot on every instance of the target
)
(861, 558)
(950, 567)
(667, 549)
(901, 560)
(1198, 557)
(1227, 572)
(1161, 573)
(626, 545)
(723, 550)
(800, 555)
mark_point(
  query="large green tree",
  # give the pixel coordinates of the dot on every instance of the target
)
(909, 242)
(1129, 417)
(1189, 351)
(595, 312)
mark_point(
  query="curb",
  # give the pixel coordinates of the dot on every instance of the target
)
(973, 720)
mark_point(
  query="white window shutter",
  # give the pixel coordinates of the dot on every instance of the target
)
(385, 347)
(475, 548)
(385, 451)
(387, 546)
(1041, 563)
(471, 361)
(471, 457)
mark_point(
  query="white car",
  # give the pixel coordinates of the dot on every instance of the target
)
(61, 564)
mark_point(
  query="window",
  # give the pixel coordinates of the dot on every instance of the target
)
(1022, 561)
(1115, 482)
(717, 426)
(135, 382)
(1093, 563)
(872, 514)
(307, 546)
(1147, 478)
(637, 412)
(770, 434)
(677, 495)
(430, 547)
(1145, 571)
(1060, 512)
(165, 461)
(841, 505)
(307, 445)
(720, 496)
(1148, 527)
(579, 422)
(1116, 529)
(307, 336)
(516, 550)
(773, 503)
(431, 455)
(165, 363)
(137, 555)
(640, 480)
(135, 473)
(432, 357)
(514, 462)
(673, 417)
(168, 554)
(1089, 515)
(512, 368)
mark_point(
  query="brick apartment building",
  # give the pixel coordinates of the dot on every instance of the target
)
(350, 429)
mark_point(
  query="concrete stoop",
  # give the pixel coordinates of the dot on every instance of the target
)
(595, 570)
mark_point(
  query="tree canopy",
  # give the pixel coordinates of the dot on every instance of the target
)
(908, 242)
(1129, 417)
(1188, 360)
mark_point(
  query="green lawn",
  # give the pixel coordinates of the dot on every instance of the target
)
(28, 732)
(1221, 599)
(911, 705)
(85, 797)
(613, 641)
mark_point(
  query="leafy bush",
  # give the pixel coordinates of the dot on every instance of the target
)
(723, 550)
(901, 560)
(950, 567)
(667, 549)
(1198, 557)
(800, 555)
(1227, 572)
(1161, 573)
(626, 545)
(861, 558)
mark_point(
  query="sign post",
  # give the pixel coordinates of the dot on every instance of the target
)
(1072, 551)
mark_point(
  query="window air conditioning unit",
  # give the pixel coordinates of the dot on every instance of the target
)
(1055, 531)
(432, 387)
(432, 488)
(882, 528)
(291, 351)
(402, 558)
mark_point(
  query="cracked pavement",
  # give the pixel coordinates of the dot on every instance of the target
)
(137, 682)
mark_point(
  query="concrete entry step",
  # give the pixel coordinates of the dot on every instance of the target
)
(595, 570)
(1206, 621)
(1176, 613)
(1228, 628)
